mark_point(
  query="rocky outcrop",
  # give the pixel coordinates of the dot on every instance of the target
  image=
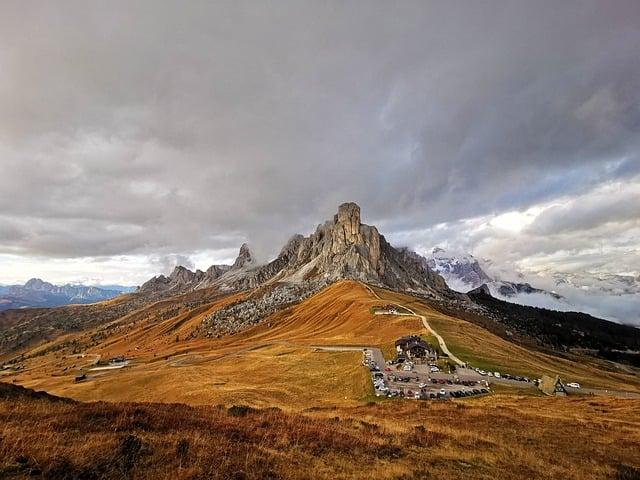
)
(245, 259)
(247, 312)
(183, 280)
(342, 248)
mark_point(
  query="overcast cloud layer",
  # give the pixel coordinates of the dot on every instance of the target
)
(137, 135)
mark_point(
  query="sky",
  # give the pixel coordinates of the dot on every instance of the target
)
(137, 135)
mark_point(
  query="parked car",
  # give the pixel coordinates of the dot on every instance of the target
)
(573, 385)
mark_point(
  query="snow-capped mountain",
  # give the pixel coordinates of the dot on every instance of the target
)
(463, 272)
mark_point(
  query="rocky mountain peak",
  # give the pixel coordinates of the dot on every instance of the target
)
(341, 248)
(245, 258)
(37, 284)
(348, 220)
(181, 274)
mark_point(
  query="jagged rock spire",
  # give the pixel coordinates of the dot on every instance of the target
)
(244, 257)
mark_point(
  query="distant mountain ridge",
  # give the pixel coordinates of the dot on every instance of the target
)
(38, 293)
(463, 273)
(341, 248)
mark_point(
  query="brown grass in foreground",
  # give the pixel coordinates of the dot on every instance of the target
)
(498, 437)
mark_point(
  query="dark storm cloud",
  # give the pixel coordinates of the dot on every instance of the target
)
(172, 127)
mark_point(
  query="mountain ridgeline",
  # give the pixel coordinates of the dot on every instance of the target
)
(341, 248)
(38, 293)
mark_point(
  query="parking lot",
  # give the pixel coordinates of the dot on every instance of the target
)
(420, 381)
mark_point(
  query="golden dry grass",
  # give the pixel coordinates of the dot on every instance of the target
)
(273, 363)
(499, 438)
(275, 375)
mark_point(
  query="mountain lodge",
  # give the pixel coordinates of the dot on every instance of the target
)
(415, 348)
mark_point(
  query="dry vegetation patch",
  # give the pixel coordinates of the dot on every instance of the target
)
(498, 437)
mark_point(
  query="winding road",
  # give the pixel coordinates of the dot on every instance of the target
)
(441, 342)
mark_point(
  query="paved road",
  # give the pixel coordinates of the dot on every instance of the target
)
(188, 359)
(425, 322)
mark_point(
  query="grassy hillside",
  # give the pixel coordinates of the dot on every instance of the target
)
(274, 362)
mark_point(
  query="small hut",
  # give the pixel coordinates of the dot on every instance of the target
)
(552, 386)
